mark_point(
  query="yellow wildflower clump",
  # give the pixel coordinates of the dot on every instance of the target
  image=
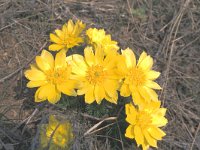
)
(138, 77)
(51, 76)
(68, 37)
(145, 123)
(56, 134)
(96, 75)
(98, 38)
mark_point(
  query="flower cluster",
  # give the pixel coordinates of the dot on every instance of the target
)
(100, 74)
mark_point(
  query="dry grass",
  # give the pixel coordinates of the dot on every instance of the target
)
(168, 30)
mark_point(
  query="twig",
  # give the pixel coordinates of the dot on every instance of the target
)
(100, 129)
(51, 137)
(91, 130)
(29, 118)
(22, 67)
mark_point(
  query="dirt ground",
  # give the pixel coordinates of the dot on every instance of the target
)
(167, 30)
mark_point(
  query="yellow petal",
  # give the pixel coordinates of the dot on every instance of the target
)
(37, 98)
(43, 64)
(48, 57)
(142, 56)
(99, 93)
(89, 96)
(52, 127)
(152, 93)
(49, 92)
(121, 66)
(83, 88)
(112, 74)
(145, 146)
(99, 55)
(156, 133)
(131, 119)
(112, 99)
(69, 59)
(53, 95)
(60, 60)
(110, 61)
(155, 105)
(78, 28)
(139, 137)
(89, 56)
(59, 33)
(53, 121)
(137, 99)
(146, 63)
(32, 84)
(159, 121)
(124, 90)
(144, 93)
(67, 88)
(129, 57)
(45, 61)
(56, 47)
(162, 111)
(131, 114)
(55, 39)
(111, 87)
(34, 74)
(152, 85)
(70, 26)
(152, 75)
(79, 67)
(151, 141)
(64, 29)
(130, 110)
(130, 132)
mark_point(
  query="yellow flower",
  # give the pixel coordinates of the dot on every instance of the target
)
(96, 75)
(138, 78)
(51, 76)
(99, 38)
(56, 134)
(68, 37)
(144, 124)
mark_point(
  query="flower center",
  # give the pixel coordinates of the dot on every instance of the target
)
(96, 74)
(136, 76)
(56, 76)
(143, 119)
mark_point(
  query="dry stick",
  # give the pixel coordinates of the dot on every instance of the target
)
(29, 118)
(51, 137)
(191, 148)
(98, 124)
(100, 128)
(22, 67)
